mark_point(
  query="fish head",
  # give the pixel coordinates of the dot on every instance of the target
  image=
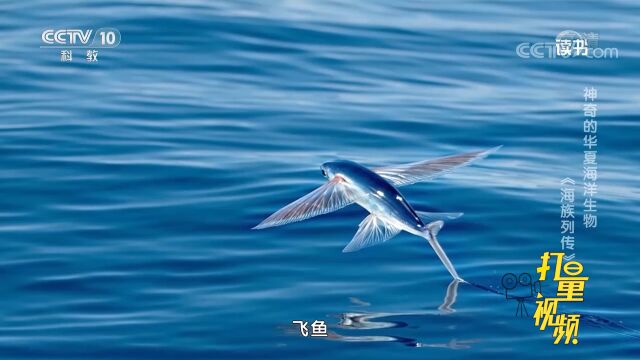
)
(326, 170)
(342, 168)
(331, 168)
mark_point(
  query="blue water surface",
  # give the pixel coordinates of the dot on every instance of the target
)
(129, 186)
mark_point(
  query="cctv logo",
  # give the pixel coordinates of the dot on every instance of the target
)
(66, 37)
(101, 38)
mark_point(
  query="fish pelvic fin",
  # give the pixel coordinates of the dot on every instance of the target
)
(430, 234)
(372, 231)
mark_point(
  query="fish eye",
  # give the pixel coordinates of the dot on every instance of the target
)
(324, 173)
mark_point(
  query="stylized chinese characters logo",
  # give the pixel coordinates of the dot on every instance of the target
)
(570, 289)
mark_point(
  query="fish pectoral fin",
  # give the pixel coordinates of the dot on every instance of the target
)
(371, 231)
(428, 217)
(331, 196)
(406, 174)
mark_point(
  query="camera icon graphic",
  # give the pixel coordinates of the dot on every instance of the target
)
(520, 288)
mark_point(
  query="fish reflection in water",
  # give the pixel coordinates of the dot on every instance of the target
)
(389, 320)
(356, 301)
(454, 344)
(368, 321)
(450, 297)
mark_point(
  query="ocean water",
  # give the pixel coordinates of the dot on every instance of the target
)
(129, 186)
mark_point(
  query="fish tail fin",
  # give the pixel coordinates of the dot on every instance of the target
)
(430, 234)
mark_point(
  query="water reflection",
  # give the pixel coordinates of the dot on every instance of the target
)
(450, 297)
(432, 323)
(354, 300)
(454, 344)
(392, 320)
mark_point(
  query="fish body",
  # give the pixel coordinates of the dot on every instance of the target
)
(375, 194)
(376, 190)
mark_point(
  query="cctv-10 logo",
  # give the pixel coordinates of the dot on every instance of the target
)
(102, 38)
